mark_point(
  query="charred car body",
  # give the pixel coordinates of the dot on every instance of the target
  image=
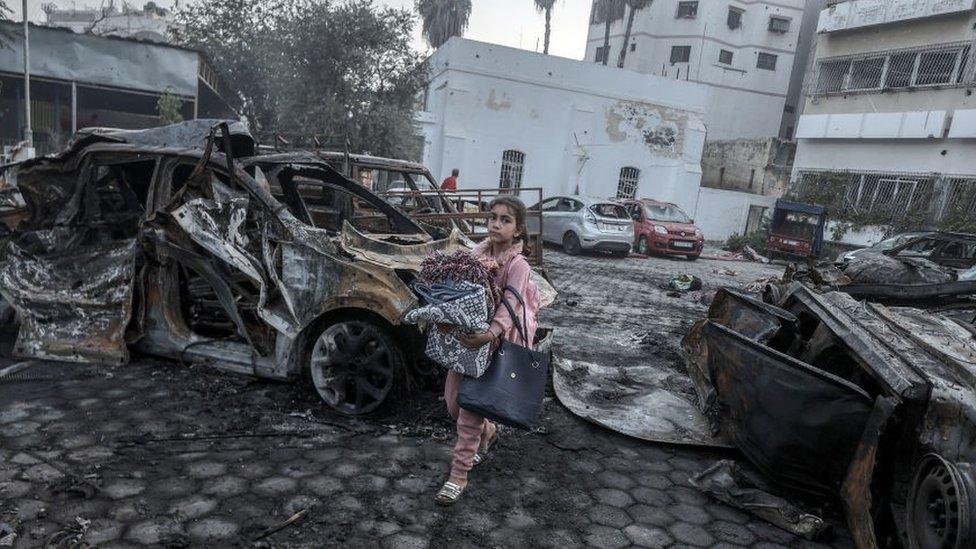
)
(275, 266)
(830, 396)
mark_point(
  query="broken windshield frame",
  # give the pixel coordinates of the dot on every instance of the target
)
(668, 213)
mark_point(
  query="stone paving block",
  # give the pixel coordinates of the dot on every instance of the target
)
(174, 487)
(345, 469)
(767, 532)
(368, 483)
(476, 522)
(192, 507)
(621, 464)
(211, 529)
(252, 470)
(21, 458)
(687, 494)
(13, 414)
(96, 454)
(123, 488)
(556, 539)
(297, 503)
(507, 537)
(616, 498)
(322, 485)
(691, 534)
(154, 532)
(609, 516)
(690, 513)
(378, 529)
(413, 485)
(27, 509)
(41, 473)
(644, 536)
(300, 469)
(72, 442)
(406, 541)
(727, 513)
(206, 469)
(102, 531)
(653, 516)
(606, 538)
(519, 519)
(731, 533)
(651, 496)
(225, 486)
(614, 479)
(275, 486)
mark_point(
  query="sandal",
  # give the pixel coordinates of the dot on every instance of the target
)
(482, 453)
(449, 494)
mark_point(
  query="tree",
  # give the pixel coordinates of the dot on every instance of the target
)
(4, 36)
(443, 19)
(634, 6)
(545, 6)
(609, 11)
(338, 70)
(168, 106)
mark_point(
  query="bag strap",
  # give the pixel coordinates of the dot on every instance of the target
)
(521, 327)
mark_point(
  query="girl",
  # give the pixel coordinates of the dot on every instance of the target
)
(507, 245)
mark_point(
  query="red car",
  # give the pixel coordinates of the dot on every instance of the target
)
(664, 228)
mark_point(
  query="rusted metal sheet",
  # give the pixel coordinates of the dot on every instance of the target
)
(856, 489)
(74, 305)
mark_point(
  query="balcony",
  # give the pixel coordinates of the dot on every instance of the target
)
(856, 14)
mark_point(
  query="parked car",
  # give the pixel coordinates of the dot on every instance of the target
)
(581, 223)
(884, 245)
(796, 230)
(276, 266)
(664, 228)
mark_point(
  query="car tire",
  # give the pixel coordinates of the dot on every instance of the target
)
(643, 246)
(352, 364)
(571, 244)
(941, 505)
(692, 257)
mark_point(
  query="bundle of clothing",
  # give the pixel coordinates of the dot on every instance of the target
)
(458, 295)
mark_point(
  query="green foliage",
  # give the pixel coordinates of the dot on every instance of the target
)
(168, 107)
(545, 6)
(755, 240)
(304, 68)
(443, 19)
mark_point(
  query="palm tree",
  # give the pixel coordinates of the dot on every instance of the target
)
(610, 11)
(443, 19)
(545, 6)
(634, 6)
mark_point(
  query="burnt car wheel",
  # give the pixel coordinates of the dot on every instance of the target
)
(571, 244)
(352, 366)
(941, 505)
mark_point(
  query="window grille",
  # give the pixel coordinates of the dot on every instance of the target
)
(680, 54)
(871, 193)
(512, 164)
(942, 65)
(687, 10)
(601, 54)
(725, 57)
(735, 18)
(766, 61)
(627, 185)
(779, 24)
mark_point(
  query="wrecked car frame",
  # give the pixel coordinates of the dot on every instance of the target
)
(828, 396)
(275, 266)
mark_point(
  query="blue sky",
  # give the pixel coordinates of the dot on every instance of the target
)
(508, 22)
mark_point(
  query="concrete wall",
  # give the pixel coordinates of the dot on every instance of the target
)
(577, 123)
(759, 166)
(721, 213)
(746, 101)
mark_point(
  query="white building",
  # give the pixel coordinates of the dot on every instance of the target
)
(890, 114)
(150, 23)
(509, 117)
(742, 50)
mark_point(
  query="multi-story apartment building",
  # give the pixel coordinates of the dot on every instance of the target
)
(890, 118)
(743, 50)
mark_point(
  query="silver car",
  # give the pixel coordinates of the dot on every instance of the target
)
(585, 223)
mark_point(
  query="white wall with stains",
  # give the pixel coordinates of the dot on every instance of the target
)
(577, 123)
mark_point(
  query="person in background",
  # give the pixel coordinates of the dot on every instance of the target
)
(450, 183)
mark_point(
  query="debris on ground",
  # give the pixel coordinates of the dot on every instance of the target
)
(725, 271)
(8, 535)
(746, 254)
(727, 482)
(685, 283)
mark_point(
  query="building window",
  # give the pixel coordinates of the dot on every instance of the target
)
(687, 10)
(943, 65)
(512, 164)
(766, 61)
(725, 57)
(735, 18)
(779, 24)
(627, 185)
(680, 54)
(601, 54)
(633, 46)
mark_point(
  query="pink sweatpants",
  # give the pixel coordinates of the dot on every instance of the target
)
(470, 427)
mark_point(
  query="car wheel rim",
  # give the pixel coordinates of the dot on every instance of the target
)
(941, 504)
(352, 367)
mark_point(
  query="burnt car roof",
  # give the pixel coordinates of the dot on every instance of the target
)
(372, 161)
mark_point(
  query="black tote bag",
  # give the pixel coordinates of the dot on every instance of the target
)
(511, 390)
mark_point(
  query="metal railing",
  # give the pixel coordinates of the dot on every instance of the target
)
(942, 65)
(472, 211)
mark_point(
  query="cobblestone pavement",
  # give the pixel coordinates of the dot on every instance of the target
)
(157, 454)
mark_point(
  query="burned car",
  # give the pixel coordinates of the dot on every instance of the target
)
(828, 396)
(178, 242)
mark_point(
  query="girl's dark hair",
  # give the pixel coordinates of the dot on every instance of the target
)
(520, 212)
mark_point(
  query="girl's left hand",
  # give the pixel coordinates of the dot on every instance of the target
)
(475, 341)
